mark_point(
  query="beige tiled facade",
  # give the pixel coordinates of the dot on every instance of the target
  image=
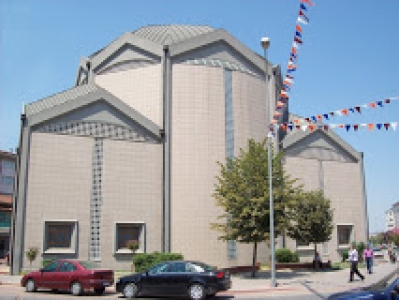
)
(59, 188)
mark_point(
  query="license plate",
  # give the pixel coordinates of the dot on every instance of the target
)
(106, 284)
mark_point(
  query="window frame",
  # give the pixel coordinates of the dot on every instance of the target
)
(141, 237)
(72, 249)
(350, 228)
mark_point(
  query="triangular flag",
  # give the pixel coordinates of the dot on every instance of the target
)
(332, 114)
(347, 126)
(298, 127)
(319, 117)
(303, 15)
(299, 41)
(303, 127)
(352, 110)
(358, 109)
(326, 127)
(355, 127)
(345, 112)
(341, 125)
(372, 104)
(291, 70)
(371, 126)
(295, 45)
(302, 6)
(298, 28)
(314, 119)
(311, 127)
(338, 113)
(326, 116)
(386, 125)
(298, 34)
(308, 2)
(290, 77)
(290, 127)
(379, 103)
(307, 119)
(333, 125)
(379, 126)
(300, 20)
(387, 101)
(394, 125)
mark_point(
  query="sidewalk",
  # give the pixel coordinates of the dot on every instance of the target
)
(306, 281)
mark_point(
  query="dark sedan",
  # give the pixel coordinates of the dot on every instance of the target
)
(75, 276)
(385, 289)
(191, 279)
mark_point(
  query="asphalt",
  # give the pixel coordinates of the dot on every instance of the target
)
(289, 282)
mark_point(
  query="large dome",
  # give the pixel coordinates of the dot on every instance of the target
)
(171, 34)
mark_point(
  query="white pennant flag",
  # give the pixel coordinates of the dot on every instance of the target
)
(394, 125)
(303, 127)
(333, 126)
(295, 45)
(303, 21)
(338, 112)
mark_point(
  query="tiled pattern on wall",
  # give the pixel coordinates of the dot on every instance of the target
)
(95, 129)
(96, 200)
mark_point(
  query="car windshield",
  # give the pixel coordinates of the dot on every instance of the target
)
(88, 265)
(202, 267)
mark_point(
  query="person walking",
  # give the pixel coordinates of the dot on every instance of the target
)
(354, 258)
(368, 256)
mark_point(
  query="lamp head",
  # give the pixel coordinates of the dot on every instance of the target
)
(265, 42)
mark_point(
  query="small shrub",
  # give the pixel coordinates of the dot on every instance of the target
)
(345, 255)
(144, 261)
(284, 255)
(133, 245)
(31, 254)
(295, 257)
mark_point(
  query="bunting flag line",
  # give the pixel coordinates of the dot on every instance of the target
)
(355, 127)
(346, 111)
(292, 66)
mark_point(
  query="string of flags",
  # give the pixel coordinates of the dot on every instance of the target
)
(355, 127)
(347, 111)
(288, 81)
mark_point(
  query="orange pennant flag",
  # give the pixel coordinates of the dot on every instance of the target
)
(319, 117)
(311, 127)
(372, 104)
(284, 127)
(345, 112)
(371, 126)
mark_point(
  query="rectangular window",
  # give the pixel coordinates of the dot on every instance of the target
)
(5, 218)
(60, 237)
(344, 234)
(8, 164)
(125, 232)
(7, 180)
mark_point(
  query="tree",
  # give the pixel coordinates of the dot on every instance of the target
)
(31, 254)
(133, 245)
(311, 219)
(242, 190)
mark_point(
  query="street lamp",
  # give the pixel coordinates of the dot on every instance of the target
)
(265, 43)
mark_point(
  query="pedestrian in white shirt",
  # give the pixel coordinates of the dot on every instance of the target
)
(354, 258)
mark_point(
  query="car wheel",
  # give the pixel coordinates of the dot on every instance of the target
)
(196, 291)
(130, 290)
(99, 291)
(30, 285)
(76, 289)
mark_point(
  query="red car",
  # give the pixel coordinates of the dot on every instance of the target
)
(65, 274)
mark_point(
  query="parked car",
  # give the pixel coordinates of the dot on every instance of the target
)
(385, 289)
(191, 279)
(76, 276)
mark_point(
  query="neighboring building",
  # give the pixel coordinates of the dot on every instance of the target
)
(392, 217)
(130, 152)
(7, 173)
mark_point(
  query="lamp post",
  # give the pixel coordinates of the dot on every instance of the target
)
(265, 43)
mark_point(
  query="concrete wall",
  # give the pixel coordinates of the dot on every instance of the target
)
(139, 88)
(59, 188)
(198, 142)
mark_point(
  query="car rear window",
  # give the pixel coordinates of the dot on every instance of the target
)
(202, 267)
(88, 265)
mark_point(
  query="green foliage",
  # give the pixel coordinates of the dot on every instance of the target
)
(295, 257)
(31, 254)
(144, 261)
(46, 261)
(285, 255)
(360, 248)
(344, 255)
(242, 191)
(393, 238)
(310, 220)
(133, 245)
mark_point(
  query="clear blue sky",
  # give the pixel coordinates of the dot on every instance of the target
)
(349, 57)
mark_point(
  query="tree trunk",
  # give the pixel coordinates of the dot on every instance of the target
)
(254, 259)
